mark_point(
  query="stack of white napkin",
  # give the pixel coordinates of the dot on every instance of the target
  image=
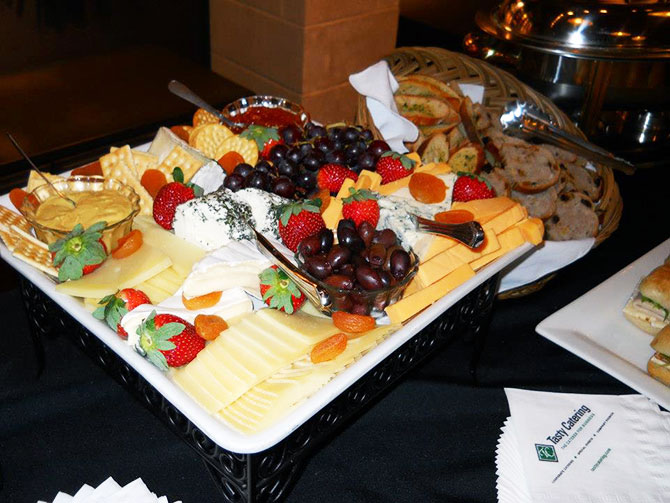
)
(111, 492)
(558, 447)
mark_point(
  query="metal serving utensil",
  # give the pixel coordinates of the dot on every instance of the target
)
(179, 89)
(317, 296)
(32, 165)
(527, 121)
(471, 234)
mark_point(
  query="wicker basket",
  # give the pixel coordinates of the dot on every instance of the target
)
(499, 88)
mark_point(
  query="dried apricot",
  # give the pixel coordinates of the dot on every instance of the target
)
(91, 169)
(427, 188)
(209, 326)
(181, 131)
(324, 196)
(454, 217)
(128, 244)
(329, 348)
(153, 180)
(201, 302)
(16, 196)
(229, 161)
(353, 323)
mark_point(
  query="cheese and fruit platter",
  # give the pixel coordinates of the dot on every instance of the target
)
(155, 248)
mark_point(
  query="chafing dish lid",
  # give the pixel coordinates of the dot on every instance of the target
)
(612, 29)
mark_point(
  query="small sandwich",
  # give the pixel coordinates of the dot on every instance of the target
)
(649, 309)
(659, 364)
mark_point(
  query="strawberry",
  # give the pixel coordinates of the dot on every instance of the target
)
(393, 166)
(167, 340)
(469, 187)
(265, 138)
(361, 206)
(331, 177)
(299, 220)
(79, 252)
(172, 195)
(279, 292)
(114, 307)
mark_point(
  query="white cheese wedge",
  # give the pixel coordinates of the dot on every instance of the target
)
(236, 264)
(210, 177)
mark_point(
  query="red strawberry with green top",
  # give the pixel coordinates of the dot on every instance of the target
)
(114, 307)
(332, 176)
(80, 252)
(469, 187)
(167, 340)
(393, 166)
(361, 206)
(279, 292)
(299, 220)
(172, 195)
(265, 138)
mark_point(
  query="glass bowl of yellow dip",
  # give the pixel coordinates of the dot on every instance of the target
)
(97, 199)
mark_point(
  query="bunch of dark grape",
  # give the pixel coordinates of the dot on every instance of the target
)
(293, 165)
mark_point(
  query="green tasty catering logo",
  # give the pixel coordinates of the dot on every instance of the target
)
(546, 453)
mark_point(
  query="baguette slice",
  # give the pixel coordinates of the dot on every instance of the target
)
(540, 205)
(469, 158)
(457, 138)
(659, 364)
(434, 149)
(424, 85)
(423, 110)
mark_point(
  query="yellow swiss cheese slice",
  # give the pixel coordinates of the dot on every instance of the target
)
(116, 274)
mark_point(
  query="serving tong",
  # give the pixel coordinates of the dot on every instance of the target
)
(525, 120)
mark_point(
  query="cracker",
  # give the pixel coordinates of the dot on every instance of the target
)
(202, 116)
(10, 239)
(36, 256)
(26, 236)
(210, 138)
(144, 161)
(178, 157)
(120, 165)
(194, 132)
(246, 148)
(9, 218)
(35, 180)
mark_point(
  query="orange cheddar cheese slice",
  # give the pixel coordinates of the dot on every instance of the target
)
(409, 305)
(434, 168)
(368, 180)
(532, 229)
(505, 220)
(509, 240)
(465, 254)
(344, 189)
(485, 209)
(436, 268)
(333, 213)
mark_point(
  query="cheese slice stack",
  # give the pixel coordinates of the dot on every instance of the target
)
(272, 399)
(249, 352)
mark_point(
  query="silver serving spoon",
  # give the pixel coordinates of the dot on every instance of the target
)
(471, 234)
(179, 89)
(32, 165)
(527, 121)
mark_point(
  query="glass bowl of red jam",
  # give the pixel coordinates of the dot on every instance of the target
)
(269, 111)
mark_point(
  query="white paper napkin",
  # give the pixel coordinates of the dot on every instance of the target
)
(111, 492)
(378, 84)
(559, 447)
(549, 257)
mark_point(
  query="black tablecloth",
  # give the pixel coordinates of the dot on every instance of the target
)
(432, 438)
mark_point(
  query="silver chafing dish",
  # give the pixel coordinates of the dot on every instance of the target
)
(605, 63)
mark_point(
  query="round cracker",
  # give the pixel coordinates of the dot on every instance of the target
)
(246, 148)
(210, 137)
(202, 116)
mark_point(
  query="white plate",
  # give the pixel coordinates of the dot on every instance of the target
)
(594, 328)
(216, 430)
